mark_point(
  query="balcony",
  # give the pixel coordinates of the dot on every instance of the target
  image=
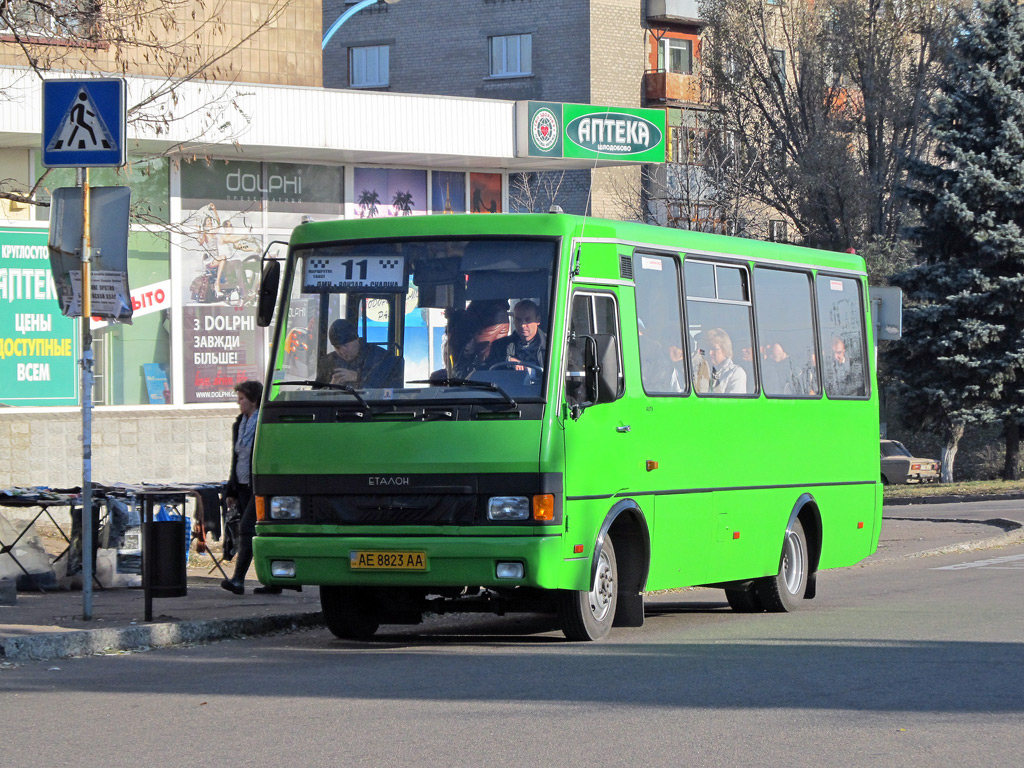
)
(674, 11)
(661, 86)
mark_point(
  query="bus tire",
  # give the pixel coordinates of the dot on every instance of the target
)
(744, 600)
(349, 612)
(784, 591)
(589, 615)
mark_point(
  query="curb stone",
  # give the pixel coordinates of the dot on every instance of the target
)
(948, 499)
(62, 645)
(1013, 534)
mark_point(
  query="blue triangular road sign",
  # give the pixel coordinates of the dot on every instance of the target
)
(83, 123)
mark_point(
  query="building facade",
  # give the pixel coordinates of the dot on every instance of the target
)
(220, 171)
(577, 51)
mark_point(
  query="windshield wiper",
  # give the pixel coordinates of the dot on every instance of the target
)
(327, 385)
(472, 383)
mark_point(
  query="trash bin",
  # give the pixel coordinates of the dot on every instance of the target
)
(164, 558)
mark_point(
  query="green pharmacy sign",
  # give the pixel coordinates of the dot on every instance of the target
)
(553, 129)
(38, 346)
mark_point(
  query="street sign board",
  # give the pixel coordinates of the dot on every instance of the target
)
(554, 129)
(84, 123)
(108, 225)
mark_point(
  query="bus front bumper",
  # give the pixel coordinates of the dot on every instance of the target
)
(417, 561)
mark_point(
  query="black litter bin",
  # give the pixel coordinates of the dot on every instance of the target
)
(163, 556)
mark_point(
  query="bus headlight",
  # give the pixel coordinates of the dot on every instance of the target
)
(508, 508)
(285, 508)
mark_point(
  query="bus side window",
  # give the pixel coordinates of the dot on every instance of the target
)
(719, 316)
(841, 334)
(659, 324)
(785, 333)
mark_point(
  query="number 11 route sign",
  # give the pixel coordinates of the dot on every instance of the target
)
(84, 123)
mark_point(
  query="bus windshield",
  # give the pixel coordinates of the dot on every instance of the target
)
(416, 321)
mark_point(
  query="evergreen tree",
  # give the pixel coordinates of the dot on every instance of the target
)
(962, 356)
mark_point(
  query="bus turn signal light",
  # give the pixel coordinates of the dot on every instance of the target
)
(544, 506)
(859, 526)
(261, 508)
(651, 465)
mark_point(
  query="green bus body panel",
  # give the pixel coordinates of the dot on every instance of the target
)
(729, 470)
(397, 447)
(451, 562)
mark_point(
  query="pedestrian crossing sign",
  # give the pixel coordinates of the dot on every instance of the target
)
(84, 123)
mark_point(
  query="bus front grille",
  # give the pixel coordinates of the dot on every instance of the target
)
(410, 509)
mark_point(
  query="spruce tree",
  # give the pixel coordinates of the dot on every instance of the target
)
(961, 360)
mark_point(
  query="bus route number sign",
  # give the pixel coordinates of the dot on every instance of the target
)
(342, 274)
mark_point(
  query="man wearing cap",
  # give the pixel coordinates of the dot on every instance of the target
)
(354, 362)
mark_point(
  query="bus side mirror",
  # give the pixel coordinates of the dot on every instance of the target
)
(593, 371)
(269, 284)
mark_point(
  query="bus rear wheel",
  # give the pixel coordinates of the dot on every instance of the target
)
(349, 612)
(784, 591)
(589, 615)
(744, 600)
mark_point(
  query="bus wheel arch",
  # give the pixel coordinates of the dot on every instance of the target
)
(626, 525)
(798, 562)
(806, 510)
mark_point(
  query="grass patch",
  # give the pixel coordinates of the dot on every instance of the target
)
(979, 488)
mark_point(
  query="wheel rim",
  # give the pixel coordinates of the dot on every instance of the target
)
(604, 588)
(793, 563)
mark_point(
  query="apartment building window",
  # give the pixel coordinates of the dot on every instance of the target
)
(511, 55)
(778, 64)
(675, 55)
(368, 66)
(54, 19)
(777, 231)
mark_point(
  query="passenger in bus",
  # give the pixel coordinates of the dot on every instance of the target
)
(780, 374)
(528, 343)
(843, 376)
(354, 362)
(726, 376)
(490, 320)
(661, 364)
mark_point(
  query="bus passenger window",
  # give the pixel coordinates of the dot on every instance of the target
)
(841, 318)
(659, 324)
(785, 333)
(720, 326)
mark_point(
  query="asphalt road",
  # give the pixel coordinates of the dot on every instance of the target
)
(901, 661)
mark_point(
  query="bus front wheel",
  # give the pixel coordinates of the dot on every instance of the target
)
(349, 612)
(784, 591)
(589, 615)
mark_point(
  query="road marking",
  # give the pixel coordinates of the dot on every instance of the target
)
(1009, 563)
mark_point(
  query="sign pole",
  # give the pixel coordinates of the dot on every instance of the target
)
(87, 531)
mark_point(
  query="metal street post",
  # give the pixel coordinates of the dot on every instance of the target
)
(87, 531)
(84, 126)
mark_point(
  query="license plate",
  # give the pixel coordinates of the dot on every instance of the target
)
(387, 561)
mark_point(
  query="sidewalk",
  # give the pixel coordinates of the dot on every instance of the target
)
(49, 625)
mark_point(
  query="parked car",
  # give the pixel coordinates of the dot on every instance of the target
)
(901, 466)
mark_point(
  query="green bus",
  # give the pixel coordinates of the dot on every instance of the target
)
(545, 412)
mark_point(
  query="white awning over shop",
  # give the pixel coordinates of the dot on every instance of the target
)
(316, 125)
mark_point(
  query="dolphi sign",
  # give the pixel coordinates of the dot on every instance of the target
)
(551, 129)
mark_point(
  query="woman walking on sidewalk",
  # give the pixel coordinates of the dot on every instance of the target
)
(239, 487)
